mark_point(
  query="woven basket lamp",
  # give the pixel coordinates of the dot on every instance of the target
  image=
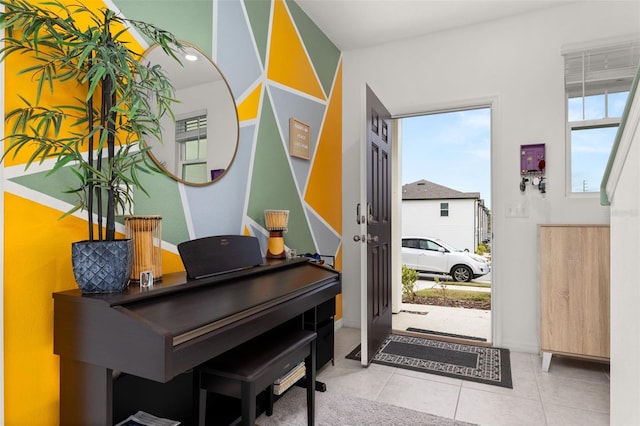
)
(146, 233)
(276, 223)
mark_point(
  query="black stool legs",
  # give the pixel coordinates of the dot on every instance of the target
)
(310, 367)
(250, 368)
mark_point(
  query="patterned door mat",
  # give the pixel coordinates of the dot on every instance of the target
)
(462, 361)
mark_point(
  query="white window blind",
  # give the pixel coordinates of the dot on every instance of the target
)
(604, 69)
(194, 128)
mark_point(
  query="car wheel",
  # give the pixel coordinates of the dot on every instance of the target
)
(461, 273)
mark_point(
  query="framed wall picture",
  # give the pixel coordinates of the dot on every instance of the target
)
(299, 139)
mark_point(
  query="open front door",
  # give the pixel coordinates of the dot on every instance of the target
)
(376, 303)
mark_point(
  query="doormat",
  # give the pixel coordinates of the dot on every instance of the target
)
(461, 361)
(440, 333)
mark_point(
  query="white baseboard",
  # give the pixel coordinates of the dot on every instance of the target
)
(521, 347)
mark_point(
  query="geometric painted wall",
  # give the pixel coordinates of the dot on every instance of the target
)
(279, 65)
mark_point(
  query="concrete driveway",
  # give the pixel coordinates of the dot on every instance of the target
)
(461, 321)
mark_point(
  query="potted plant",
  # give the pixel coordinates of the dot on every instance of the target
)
(97, 136)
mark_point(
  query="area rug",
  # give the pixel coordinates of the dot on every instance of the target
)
(440, 333)
(462, 361)
(337, 409)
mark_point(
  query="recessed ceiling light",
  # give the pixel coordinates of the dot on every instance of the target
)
(191, 57)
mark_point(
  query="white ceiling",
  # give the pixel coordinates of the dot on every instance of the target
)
(185, 73)
(355, 24)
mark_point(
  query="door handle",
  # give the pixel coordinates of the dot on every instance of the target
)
(362, 238)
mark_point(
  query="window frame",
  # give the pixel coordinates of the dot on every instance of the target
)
(582, 125)
(599, 68)
(444, 208)
(198, 134)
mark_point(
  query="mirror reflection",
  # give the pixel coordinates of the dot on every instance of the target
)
(200, 145)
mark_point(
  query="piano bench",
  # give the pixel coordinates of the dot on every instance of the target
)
(246, 370)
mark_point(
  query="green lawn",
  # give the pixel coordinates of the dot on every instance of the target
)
(470, 284)
(455, 294)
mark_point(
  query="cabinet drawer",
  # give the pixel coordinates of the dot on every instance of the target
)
(326, 310)
(321, 313)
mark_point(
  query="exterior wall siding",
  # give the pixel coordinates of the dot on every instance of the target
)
(422, 218)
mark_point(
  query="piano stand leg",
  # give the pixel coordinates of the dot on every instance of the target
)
(321, 386)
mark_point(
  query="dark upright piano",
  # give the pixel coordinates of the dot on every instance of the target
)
(161, 333)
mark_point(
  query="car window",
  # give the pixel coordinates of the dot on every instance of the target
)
(410, 243)
(428, 245)
(433, 246)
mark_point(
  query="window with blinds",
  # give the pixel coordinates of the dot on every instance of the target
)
(597, 83)
(191, 136)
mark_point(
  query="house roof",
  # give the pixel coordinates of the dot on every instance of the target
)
(425, 190)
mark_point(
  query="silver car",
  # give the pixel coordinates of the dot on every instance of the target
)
(437, 257)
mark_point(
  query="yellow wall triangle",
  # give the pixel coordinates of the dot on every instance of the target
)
(65, 92)
(248, 108)
(288, 61)
(32, 233)
(326, 170)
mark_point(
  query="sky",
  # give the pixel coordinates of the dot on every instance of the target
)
(590, 148)
(451, 149)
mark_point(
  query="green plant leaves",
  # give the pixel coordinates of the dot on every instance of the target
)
(124, 98)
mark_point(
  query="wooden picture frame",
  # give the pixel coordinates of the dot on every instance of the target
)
(299, 139)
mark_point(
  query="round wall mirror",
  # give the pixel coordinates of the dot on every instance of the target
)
(200, 145)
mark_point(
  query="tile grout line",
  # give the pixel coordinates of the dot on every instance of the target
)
(386, 383)
(455, 411)
(534, 360)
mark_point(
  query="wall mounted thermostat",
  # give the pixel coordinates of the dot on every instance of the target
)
(532, 166)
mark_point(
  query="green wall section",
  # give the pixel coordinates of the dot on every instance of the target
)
(54, 185)
(164, 200)
(188, 20)
(273, 186)
(259, 13)
(323, 53)
(58, 185)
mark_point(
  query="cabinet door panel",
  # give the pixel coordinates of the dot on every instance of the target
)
(574, 285)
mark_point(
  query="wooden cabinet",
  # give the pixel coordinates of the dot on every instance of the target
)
(574, 291)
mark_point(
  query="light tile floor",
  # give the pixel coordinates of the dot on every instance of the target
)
(571, 393)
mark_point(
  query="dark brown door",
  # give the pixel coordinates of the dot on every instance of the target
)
(378, 217)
